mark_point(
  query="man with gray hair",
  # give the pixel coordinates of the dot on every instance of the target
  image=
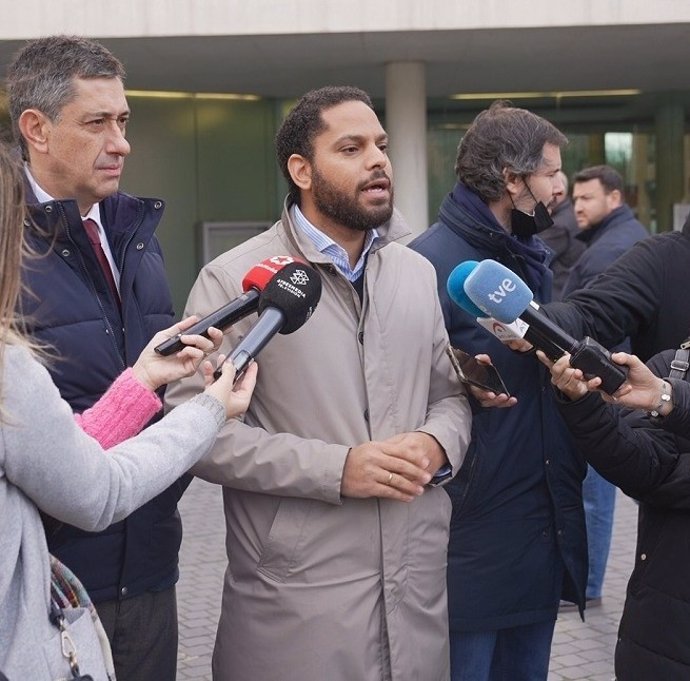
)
(517, 540)
(95, 297)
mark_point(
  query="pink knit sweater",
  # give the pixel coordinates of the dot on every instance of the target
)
(125, 408)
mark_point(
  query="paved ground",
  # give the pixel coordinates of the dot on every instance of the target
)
(581, 651)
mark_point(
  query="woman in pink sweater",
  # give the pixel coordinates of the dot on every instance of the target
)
(131, 401)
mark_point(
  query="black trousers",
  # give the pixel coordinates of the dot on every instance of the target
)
(142, 631)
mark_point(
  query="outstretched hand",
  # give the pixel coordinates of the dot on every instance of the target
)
(574, 385)
(642, 389)
(568, 380)
(154, 370)
(234, 396)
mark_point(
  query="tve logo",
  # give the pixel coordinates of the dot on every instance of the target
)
(505, 287)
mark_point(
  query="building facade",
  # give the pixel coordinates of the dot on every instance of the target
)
(209, 81)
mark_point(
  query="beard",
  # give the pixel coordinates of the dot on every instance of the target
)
(345, 209)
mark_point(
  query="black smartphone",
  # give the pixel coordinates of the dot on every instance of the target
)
(473, 372)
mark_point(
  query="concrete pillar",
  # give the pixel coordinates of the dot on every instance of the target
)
(640, 171)
(406, 127)
(669, 123)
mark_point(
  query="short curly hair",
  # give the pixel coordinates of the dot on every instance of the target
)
(503, 137)
(297, 132)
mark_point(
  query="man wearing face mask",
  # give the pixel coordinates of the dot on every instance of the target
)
(517, 541)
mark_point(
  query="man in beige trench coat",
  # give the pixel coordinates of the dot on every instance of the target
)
(336, 530)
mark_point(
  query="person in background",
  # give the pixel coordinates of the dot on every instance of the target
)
(608, 229)
(336, 527)
(90, 488)
(517, 539)
(561, 239)
(96, 296)
(645, 450)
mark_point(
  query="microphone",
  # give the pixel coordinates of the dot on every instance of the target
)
(253, 283)
(456, 288)
(286, 303)
(500, 293)
(502, 331)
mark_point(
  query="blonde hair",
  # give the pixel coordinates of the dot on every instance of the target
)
(12, 250)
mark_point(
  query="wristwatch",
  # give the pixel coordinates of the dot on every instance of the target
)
(664, 398)
(442, 474)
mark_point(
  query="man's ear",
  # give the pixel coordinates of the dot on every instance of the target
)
(615, 199)
(300, 171)
(34, 126)
(514, 182)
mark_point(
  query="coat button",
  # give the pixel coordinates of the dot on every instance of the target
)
(140, 246)
(158, 204)
(124, 591)
(49, 209)
(65, 253)
(643, 556)
(27, 222)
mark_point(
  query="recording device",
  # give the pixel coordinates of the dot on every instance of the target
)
(473, 372)
(286, 303)
(502, 330)
(253, 283)
(501, 294)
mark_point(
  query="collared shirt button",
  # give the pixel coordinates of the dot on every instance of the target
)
(140, 246)
(643, 556)
(360, 337)
(158, 205)
(49, 209)
(547, 462)
(124, 591)
(65, 252)
(366, 415)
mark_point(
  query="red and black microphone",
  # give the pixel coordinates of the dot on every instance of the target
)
(286, 303)
(254, 282)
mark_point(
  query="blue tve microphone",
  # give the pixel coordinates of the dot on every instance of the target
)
(501, 294)
(456, 288)
(456, 291)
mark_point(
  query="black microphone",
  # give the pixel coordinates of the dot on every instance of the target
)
(253, 283)
(286, 303)
(500, 293)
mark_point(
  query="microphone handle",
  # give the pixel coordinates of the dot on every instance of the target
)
(554, 334)
(270, 322)
(222, 318)
(593, 359)
(553, 351)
